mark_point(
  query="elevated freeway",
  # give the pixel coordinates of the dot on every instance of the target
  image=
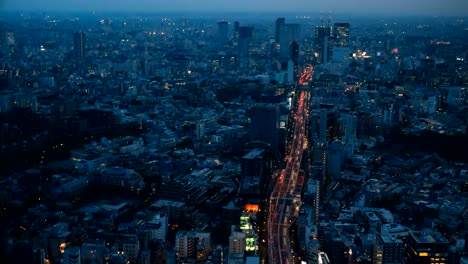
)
(285, 198)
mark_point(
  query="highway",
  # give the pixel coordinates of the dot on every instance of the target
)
(285, 198)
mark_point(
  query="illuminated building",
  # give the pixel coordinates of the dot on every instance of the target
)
(388, 250)
(427, 247)
(341, 34)
(79, 44)
(192, 246)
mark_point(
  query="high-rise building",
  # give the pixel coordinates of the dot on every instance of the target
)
(288, 33)
(427, 247)
(236, 241)
(245, 39)
(321, 39)
(388, 250)
(92, 251)
(323, 125)
(184, 245)
(278, 25)
(157, 227)
(264, 124)
(3, 35)
(235, 35)
(79, 44)
(223, 29)
(341, 34)
(334, 160)
(72, 255)
(294, 54)
(312, 198)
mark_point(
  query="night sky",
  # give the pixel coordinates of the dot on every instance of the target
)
(397, 7)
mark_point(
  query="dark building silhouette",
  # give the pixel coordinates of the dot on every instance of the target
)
(265, 125)
(245, 38)
(3, 35)
(235, 35)
(321, 39)
(278, 25)
(79, 44)
(253, 172)
(223, 29)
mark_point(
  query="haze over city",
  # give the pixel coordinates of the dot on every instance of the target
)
(395, 7)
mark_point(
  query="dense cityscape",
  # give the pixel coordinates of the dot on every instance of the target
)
(237, 138)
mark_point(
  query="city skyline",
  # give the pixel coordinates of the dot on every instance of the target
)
(398, 7)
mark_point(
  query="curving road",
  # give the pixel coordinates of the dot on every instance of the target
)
(285, 198)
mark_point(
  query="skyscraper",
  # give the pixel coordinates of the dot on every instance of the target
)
(265, 124)
(72, 255)
(235, 35)
(79, 44)
(278, 25)
(288, 33)
(341, 34)
(223, 31)
(321, 38)
(245, 38)
(3, 35)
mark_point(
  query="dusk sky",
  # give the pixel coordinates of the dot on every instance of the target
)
(402, 7)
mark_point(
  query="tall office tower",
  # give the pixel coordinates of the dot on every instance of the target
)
(79, 44)
(3, 35)
(288, 33)
(223, 31)
(321, 38)
(264, 125)
(294, 53)
(341, 34)
(235, 34)
(312, 197)
(278, 25)
(72, 255)
(350, 124)
(427, 247)
(245, 39)
(253, 172)
(388, 250)
(323, 125)
(334, 160)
